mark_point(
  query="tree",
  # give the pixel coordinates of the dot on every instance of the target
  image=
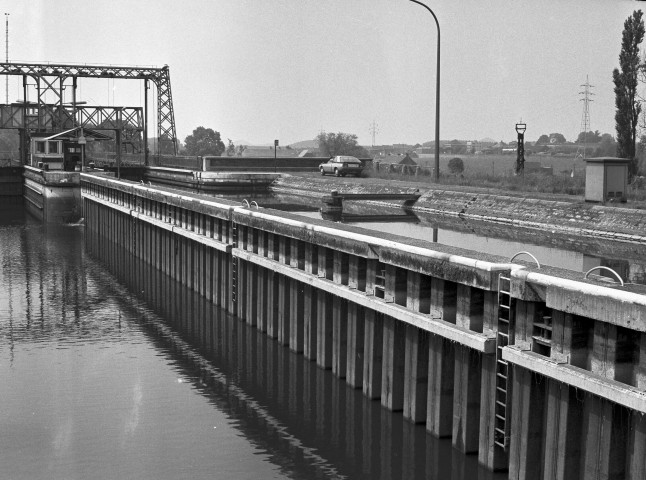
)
(543, 140)
(628, 106)
(204, 141)
(456, 165)
(240, 150)
(557, 138)
(589, 137)
(607, 146)
(332, 144)
(231, 148)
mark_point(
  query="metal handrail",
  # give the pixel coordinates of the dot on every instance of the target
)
(526, 253)
(605, 268)
(256, 204)
(246, 202)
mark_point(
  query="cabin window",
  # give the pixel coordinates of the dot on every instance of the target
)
(53, 147)
(40, 147)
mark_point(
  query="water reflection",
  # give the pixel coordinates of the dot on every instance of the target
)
(133, 376)
(89, 389)
(309, 422)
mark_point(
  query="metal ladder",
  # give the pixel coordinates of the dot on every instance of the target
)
(503, 373)
(234, 267)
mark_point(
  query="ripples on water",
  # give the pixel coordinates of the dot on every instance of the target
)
(99, 382)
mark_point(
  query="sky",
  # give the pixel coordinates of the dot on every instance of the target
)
(257, 70)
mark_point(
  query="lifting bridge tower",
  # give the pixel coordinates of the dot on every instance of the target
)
(51, 80)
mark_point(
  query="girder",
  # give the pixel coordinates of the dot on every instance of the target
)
(83, 71)
(50, 79)
(57, 117)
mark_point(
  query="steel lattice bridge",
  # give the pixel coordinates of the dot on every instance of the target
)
(49, 80)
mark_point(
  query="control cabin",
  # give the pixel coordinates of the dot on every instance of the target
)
(62, 150)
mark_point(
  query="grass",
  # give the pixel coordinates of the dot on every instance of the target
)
(497, 172)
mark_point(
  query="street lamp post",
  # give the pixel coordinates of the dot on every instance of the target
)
(436, 174)
(275, 148)
(520, 157)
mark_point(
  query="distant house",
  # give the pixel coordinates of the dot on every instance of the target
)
(407, 160)
(425, 152)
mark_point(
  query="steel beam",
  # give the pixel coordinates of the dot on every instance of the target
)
(42, 73)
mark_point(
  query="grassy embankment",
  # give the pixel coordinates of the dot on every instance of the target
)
(497, 172)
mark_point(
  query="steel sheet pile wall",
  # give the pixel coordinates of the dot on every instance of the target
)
(557, 393)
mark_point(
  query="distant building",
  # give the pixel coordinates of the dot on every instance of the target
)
(425, 152)
(407, 160)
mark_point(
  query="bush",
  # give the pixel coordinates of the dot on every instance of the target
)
(456, 165)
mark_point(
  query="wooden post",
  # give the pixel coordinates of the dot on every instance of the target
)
(525, 450)
(392, 378)
(604, 454)
(354, 375)
(284, 288)
(324, 330)
(416, 374)
(441, 362)
(309, 304)
(296, 313)
(373, 354)
(468, 372)
(563, 427)
(441, 368)
(527, 406)
(339, 336)
(416, 350)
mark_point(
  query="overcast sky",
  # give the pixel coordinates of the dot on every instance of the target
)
(259, 70)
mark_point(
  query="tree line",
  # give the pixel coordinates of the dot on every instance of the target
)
(206, 141)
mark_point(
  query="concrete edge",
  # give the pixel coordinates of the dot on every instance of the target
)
(616, 392)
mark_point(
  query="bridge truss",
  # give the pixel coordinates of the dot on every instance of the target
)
(51, 80)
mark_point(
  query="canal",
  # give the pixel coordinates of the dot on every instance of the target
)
(579, 254)
(111, 370)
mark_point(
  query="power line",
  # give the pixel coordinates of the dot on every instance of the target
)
(374, 130)
(585, 117)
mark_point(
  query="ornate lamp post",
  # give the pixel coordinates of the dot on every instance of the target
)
(520, 158)
(436, 174)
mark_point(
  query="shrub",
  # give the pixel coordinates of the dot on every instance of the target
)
(456, 165)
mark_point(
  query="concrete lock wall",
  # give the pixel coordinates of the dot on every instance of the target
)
(534, 371)
(268, 163)
(566, 217)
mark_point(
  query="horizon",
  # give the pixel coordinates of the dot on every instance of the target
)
(290, 69)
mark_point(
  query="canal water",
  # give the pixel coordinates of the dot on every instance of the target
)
(552, 248)
(111, 370)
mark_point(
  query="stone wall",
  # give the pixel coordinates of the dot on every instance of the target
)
(572, 217)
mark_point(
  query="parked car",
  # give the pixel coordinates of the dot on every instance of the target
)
(342, 165)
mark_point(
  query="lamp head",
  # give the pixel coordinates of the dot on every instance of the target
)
(521, 127)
